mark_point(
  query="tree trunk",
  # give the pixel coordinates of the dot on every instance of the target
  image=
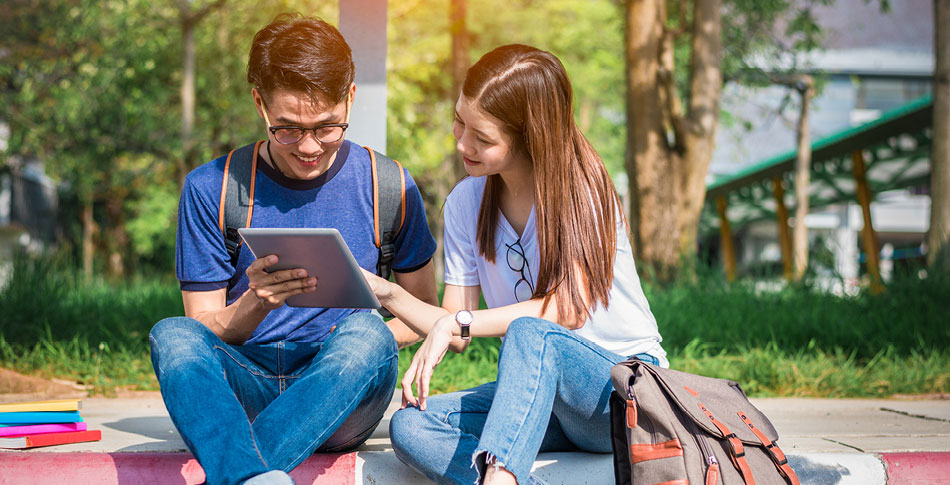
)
(189, 20)
(460, 64)
(88, 233)
(802, 181)
(584, 120)
(938, 257)
(649, 161)
(702, 118)
(668, 152)
(451, 170)
(117, 241)
(187, 98)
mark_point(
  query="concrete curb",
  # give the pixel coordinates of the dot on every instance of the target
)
(838, 468)
(382, 467)
(828, 441)
(917, 468)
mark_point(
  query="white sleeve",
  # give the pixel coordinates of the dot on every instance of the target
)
(459, 236)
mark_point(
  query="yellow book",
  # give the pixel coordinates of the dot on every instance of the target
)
(53, 405)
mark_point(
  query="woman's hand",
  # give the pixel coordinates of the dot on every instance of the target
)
(273, 289)
(383, 289)
(423, 363)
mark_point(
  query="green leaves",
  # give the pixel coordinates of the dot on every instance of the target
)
(93, 88)
(586, 35)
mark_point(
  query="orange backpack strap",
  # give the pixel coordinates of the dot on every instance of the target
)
(389, 211)
(778, 457)
(237, 196)
(736, 452)
(389, 207)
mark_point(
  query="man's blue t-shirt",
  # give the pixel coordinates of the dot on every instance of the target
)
(341, 198)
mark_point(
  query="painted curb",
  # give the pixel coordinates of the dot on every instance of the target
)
(382, 467)
(918, 468)
(147, 468)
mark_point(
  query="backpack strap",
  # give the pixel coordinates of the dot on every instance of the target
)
(736, 451)
(237, 197)
(389, 211)
(775, 453)
(389, 208)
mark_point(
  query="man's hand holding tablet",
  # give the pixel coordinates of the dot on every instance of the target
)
(273, 288)
(292, 261)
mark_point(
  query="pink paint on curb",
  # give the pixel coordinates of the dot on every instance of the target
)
(917, 468)
(329, 469)
(148, 468)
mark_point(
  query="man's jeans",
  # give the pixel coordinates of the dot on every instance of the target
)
(551, 395)
(246, 409)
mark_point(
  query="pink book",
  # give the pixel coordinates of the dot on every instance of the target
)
(41, 428)
(47, 439)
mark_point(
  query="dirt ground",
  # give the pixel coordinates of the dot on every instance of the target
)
(16, 387)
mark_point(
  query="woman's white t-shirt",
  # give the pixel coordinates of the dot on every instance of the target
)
(626, 327)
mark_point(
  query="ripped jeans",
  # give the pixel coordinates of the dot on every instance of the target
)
(246, 409)
(551, 395)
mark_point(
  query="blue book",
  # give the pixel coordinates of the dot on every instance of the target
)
(40, 417)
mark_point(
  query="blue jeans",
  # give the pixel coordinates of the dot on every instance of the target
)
(551, 395)
(246, 409)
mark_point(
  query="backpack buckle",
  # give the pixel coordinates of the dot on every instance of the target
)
(735, 446)
(387, 251)
(775, 456)
(232, 240)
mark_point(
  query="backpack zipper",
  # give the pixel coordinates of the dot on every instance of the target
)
(701, 439)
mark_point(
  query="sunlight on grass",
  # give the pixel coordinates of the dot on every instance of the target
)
(794, 342)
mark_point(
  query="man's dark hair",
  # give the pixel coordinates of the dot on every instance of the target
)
(303, 54)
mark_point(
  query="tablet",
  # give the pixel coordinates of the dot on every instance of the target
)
(322, 252)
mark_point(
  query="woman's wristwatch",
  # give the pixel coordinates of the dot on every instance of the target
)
(464, 319)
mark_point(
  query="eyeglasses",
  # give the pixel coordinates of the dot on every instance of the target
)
(517, 261)
(288, 135)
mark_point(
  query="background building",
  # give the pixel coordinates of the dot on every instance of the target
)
(872, 63)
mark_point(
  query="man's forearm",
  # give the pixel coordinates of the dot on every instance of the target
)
(235, 323)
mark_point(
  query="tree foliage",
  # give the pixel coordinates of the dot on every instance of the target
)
(93, 88)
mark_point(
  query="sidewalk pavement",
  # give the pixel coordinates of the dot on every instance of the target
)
(828, 441)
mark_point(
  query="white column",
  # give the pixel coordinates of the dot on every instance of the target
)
(363, 25)
(846, 247)
(887, 262)
(6, 198)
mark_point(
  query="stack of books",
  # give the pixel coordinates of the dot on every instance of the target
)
(43, 423)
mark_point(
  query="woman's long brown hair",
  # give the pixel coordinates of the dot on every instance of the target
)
(576, 205)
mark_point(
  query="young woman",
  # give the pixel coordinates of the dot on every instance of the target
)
(538, 229)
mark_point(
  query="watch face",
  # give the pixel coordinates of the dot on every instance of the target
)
(464, 319)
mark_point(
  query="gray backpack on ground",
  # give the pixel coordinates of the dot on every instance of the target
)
(673, 427)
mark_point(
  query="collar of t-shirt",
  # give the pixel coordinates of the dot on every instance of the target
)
(296, 184)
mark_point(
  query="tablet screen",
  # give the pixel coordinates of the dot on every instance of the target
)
(323, 253)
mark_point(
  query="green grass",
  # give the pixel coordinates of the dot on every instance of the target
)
(910, 315)
(477, 365)
(813, 372)
(53, 324)
(794, 342)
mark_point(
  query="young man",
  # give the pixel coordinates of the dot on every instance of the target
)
(255, 386)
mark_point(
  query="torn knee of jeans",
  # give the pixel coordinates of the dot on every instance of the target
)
(481, 460)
